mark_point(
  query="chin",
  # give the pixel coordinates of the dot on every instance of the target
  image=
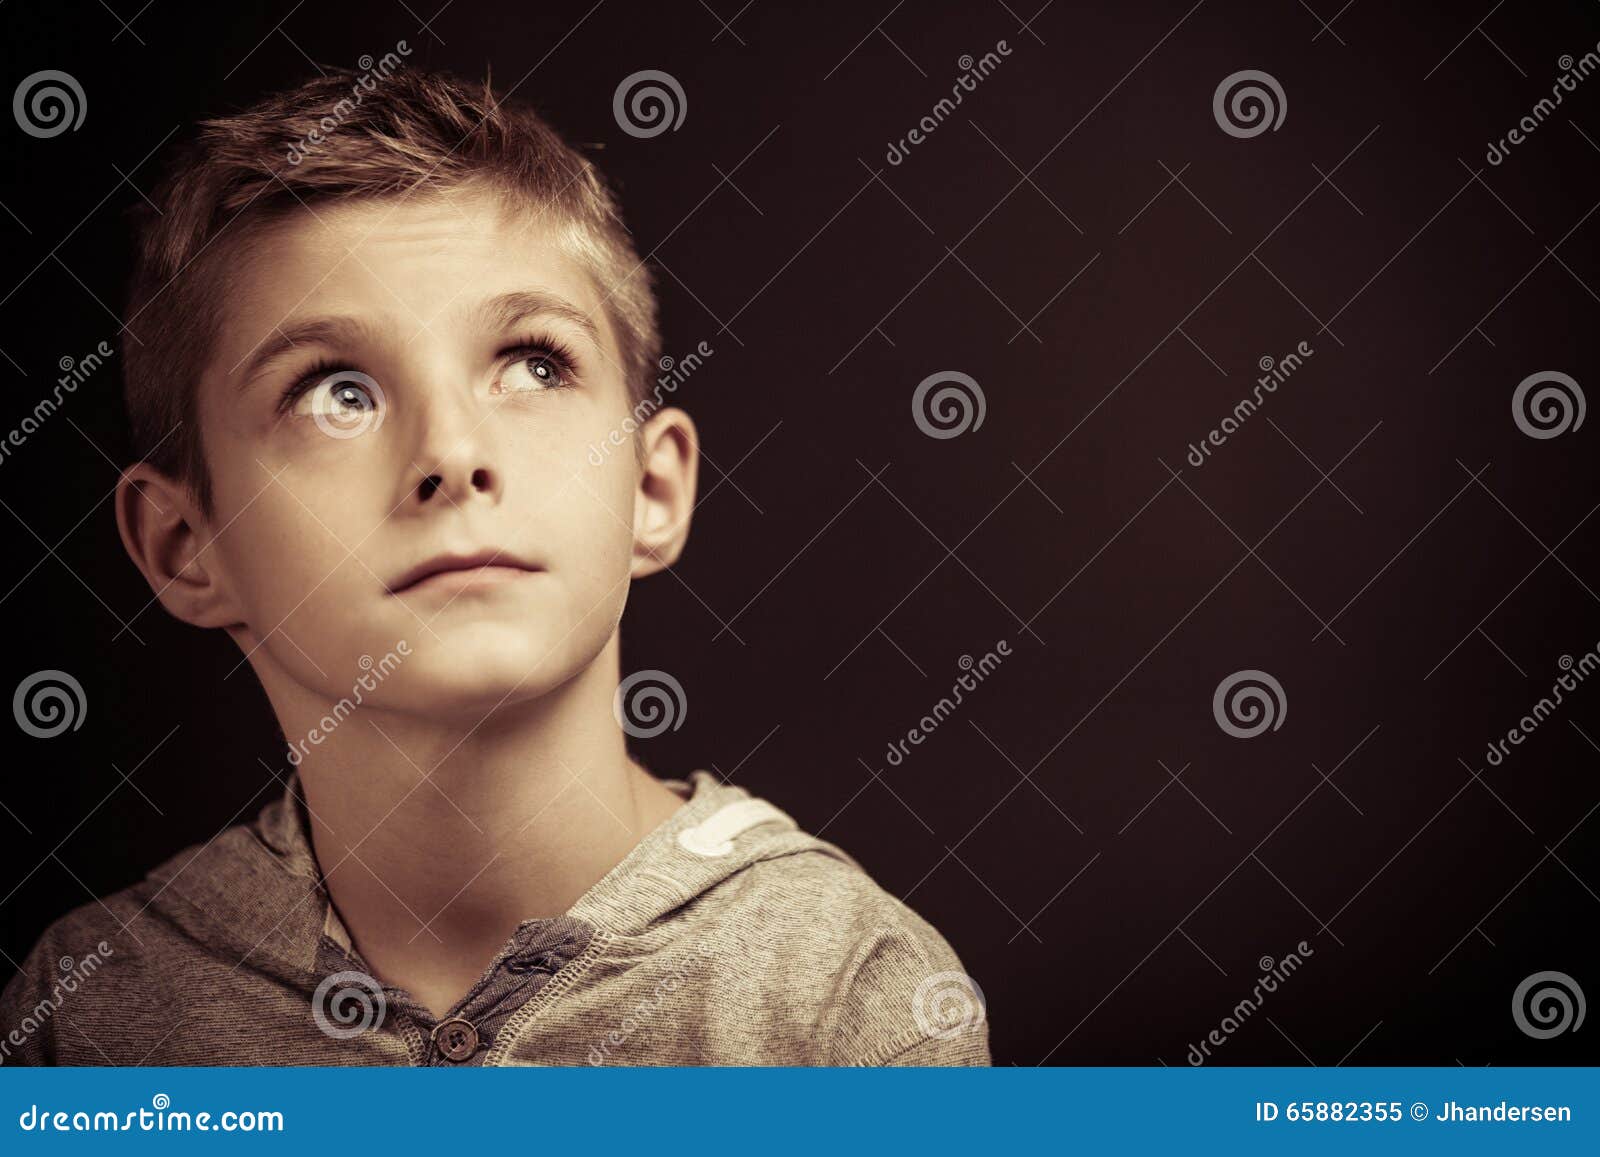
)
(464, 675)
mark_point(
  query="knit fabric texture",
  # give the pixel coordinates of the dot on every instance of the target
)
(727, 936)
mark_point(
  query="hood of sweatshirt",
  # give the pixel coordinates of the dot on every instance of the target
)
(255, 893)
(727, 935)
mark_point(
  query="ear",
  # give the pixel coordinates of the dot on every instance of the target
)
(165, 534)
(670, 465)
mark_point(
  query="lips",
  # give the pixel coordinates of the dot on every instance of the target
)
(486, 562)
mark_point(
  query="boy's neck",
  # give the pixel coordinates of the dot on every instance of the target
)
(437, 841)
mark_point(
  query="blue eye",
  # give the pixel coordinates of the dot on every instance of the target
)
(344, 393)
(536, 365)
(545, 370)
(534, 371)
(344, 404)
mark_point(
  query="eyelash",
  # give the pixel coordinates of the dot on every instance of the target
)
(320, 369)
(549, 348)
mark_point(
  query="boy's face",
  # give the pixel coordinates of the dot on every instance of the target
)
(405, 384)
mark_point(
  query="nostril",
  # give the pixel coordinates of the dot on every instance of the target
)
(480, 479)
(429, 485)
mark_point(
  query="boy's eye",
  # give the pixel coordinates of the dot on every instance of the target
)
(339, 393)
(344, 399)
(534, 370)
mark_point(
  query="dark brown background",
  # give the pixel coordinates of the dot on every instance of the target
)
(842, 562)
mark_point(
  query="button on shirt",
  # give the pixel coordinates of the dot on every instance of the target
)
(464, 1036)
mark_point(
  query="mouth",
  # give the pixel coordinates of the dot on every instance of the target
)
(456, 571)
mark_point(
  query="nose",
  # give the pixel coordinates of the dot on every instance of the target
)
(480, 480)
(454, 459)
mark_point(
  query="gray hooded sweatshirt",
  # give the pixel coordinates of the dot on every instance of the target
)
(726, 937)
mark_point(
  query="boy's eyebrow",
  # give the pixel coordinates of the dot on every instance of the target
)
(498, 313)
(508, 309)
(281, 341)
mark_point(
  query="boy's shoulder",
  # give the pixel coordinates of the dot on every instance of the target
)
(899, 992)
(143, 964)
(802, 931)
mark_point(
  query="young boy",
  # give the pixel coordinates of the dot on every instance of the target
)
(376, 334)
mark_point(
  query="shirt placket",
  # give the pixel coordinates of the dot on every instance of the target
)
(463, 1037)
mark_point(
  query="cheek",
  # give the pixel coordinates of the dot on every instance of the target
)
(255, 487)
(576, 482)
(286, 552)
(594, 514)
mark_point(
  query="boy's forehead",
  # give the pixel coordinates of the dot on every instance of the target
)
(410, 265)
